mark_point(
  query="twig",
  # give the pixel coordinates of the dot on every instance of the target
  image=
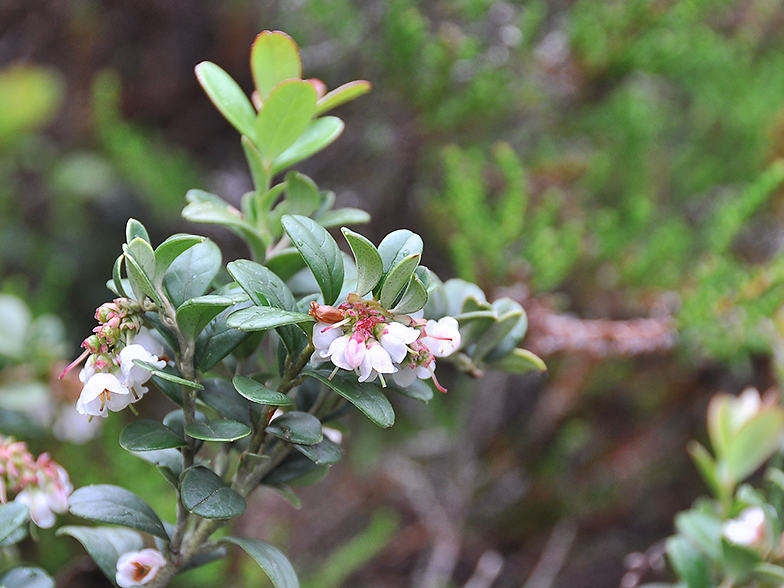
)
(487, 569)
(554, 555)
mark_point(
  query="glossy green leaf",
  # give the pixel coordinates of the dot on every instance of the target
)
(341, 95)
(105, 545)
(13, 516)
(144, 255)
(218, 430)
(195, 313)
(258, 393)
(702, 529)
(148, 435)
(287, 112)
(320, 252)
(227, 97)
(397, 246)
(139, 279)
(296, 427)
(274, 58)
(270, 559)
(206, 495)
(175, 420)
(104, 503)
(302, 194)
(263, 286)
(134, 229)
(368, 398)
(296, 469)
(738, 560)
(167, 461)
(688, 563)
(326, 452)
(419, 390)
(261, 318)
(413, 299)
(217, 340)
(191, 274)
(256, 164)
(343, 216)
(117, 280)
(319, 134)
(286, 263)
(519, 361)
(769, 573)
(26, 577)
(170, 250)
(166, 375)
(368, 260)
(397, 279)
(515, 335)
(204, 207)
(221, 395)
(495, 334)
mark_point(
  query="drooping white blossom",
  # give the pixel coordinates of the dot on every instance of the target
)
(748, 529)
(442, 338)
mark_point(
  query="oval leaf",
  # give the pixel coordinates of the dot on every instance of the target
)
(270, 559)
(286, 114)
(341, 95)
(326, 452)
(166, 375)
(227, 97)
(261, 318)
(13, 515)
(368, 398)
(319, 134)
(148, 435)
(105, 545)
(320, 252)
(414, 298)
(104, 503)
(369, 264)
(397, 280)
(218, 430)
(206, 495)
(297, 427)
(191, 273)
(26, 577)
(195, 314)
(256, 392)
(274, 58)
(170, 250)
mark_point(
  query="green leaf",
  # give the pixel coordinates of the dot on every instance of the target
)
(191, 274)
(218, 430)
(341, 95)
(196, 313)
(175, 421)
(104, 503)
(285, 263)
(419, 390)
(260, 394)
(270, 559)
(706, 466)
(134, 229)
(326, 452)
(13, 516)
(166, 375)
(274, 58)
(302, 194)
(519, 361)
(26, 577)
(206, 495)
(144, 255)
(397, 246)
(495, 334)
(754, 443)
(397, 279)
(296, 427)
(368, 398)
(368, 259)
(256, 164)
(117, 280)
(319, 134)
(503, 306)
(148, 435)
(688, 563)
(261, 318)
(263, 286)
(227, 97)
(216, 341)
(738, 560)
(105, 545)
(204, 207)
(343, 216)
(702, 529)
(320, 252)
(140, 281)
(295, 469)
(413, 299)
(769, 573)
(219, 394)
(286, 114)
(170, 250)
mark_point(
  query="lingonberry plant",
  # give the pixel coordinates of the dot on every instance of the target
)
(259, 359)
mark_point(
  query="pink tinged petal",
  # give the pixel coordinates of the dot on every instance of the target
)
(97, 391)
(138, 567)
(366, 368)
(405, 376)
(133, 373)
(406, 334)
(147, 340)
(337, 352)
(324, 334)
(442, 338)
(38, 504)
(396, 348)
(355, 351)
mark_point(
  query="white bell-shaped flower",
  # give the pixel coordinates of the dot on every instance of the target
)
(137, 568)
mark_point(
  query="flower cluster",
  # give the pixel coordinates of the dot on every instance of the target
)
(41, 484)
(111, 379)
(363, 337)
(137, 568)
